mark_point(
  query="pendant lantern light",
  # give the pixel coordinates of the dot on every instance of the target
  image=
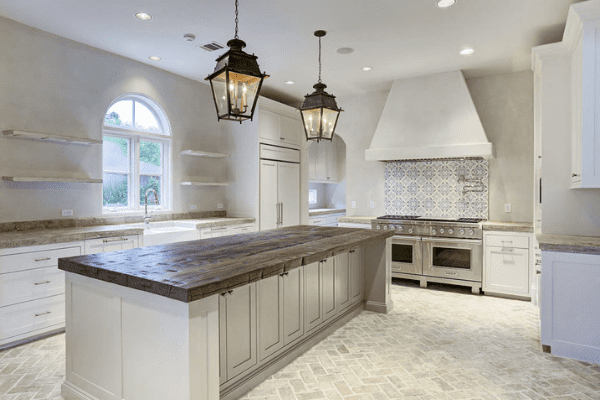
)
(236, 81)
(319, 110)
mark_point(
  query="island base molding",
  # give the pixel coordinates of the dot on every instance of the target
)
(242, 386)
(382, 308)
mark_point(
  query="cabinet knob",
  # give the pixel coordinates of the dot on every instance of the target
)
(574, 175)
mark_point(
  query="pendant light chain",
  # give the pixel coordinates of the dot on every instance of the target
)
(319, 58)
(236, 19)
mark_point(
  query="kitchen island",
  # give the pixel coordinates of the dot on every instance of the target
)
(212, 318)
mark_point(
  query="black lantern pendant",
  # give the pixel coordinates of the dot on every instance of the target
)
(236, 81)
(319, 110)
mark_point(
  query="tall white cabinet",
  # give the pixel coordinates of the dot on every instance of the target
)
(279, 194)
(271, 191)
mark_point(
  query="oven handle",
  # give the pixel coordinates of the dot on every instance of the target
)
(457, 241)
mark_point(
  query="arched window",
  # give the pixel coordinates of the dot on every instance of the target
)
(136, 155)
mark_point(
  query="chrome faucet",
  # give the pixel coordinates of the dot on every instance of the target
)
(146, 216)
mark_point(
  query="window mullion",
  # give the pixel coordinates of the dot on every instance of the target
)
(136, 174)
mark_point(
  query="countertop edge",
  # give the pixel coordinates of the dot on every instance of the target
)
(326, 212)
(569, 244)
(508, 226)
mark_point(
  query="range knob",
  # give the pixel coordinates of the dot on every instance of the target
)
(385, 227)
(441, 230)
(471, 232)
(433, 231)
(462, 231)
(410, 230)
(451, 231)
(378, 227)
(399, 228)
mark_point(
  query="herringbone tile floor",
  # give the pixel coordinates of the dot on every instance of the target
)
(438, 343)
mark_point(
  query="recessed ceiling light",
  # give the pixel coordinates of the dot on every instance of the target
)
(345, 50)
(155, 58)
(466, 52)
(143, 16)
(289, 82)
(445, 3)
(366, 69)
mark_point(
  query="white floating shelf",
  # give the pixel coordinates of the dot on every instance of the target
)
(204, 184)
(48, 179)
(202, 154)
(49, 138)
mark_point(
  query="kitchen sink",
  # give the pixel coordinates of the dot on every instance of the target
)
(166, 232)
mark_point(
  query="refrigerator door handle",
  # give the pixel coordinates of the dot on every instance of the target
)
(281, 208)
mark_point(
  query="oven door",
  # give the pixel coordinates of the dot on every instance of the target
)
(406, 255)
(453, 258)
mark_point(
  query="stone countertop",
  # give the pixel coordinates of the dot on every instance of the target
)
(356, 220)
(569, 244)
(65, 235)
(324, 211)
(189, 271)
(508, 226)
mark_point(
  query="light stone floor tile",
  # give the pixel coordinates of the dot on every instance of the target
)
(440, 343)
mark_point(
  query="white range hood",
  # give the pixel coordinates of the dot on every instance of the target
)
(429, 117)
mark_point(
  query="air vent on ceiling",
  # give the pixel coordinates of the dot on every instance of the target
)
(212, 46)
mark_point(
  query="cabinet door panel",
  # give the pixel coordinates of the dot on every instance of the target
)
(342, 281)
(288, 192)
(241, 329)
(290, 130)
(507, 270)
(270, 315)
(293, 316)
(268, 195)
(329, 287)
(313, 315)
(269, 125)
(356, 275)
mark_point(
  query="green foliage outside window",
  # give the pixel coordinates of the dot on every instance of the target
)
(150, 153)
(115, 194)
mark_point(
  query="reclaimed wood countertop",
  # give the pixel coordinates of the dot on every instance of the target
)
(189, 271)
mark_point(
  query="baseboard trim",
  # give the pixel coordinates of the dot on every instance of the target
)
(239, 387)
(71, 392)
(575, 351)
(32, 338)
(381, 308)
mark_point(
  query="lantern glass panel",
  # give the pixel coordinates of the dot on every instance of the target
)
(312, 122)
(242, 93)
(219, 87)
(329, 121)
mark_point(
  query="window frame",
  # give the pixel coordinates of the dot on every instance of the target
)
(134, 138)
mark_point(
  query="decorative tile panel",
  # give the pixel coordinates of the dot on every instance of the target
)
(449, 188)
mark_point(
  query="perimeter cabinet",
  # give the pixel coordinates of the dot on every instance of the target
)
(102, 245)
(279, 194)
(32, 291)
(507, 265)
(582, 38)
(278, 129)
(322, 161)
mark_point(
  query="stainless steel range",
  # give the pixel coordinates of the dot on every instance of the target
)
(432, 249)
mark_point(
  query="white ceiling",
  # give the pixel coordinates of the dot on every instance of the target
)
(398, 38)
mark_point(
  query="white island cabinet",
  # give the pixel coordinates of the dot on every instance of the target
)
(213, 334)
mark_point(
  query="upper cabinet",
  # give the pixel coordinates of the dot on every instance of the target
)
(582, 38)
(279, 129)
(322, 161)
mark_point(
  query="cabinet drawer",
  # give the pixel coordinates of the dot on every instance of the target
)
(103, 245)
(17, 287)
(35, 259)
(237, 229)
(521, 242)
(23, 318)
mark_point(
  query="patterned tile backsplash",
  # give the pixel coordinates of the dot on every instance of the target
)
(442, 188)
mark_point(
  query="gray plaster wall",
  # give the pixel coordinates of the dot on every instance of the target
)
(505, 107)
(53, 85)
